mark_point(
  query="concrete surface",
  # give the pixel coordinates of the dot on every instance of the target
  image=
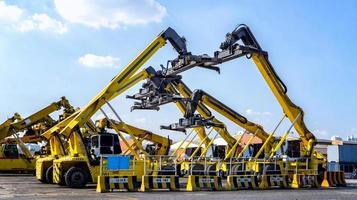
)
(27, 187)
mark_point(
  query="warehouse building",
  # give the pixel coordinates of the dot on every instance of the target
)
(343, 157)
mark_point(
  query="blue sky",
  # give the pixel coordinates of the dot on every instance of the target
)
(52, 48)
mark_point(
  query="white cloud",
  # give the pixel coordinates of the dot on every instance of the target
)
(9, 13)
(251, 112)
(42, 22)
(95, 61)
(110, 13)
(14, 17)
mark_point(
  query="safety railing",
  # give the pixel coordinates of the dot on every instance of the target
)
(299, 166)
(160, 165)
(204, 165)
(276, 165)
(236, 166)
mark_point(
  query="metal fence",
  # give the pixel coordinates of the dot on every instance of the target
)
(160, 164)
(204, 165)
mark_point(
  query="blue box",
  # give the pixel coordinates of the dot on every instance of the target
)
(118, 163)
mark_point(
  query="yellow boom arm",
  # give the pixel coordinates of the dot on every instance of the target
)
(162, 143)
(40, 116)
(119, 81)
(231, 48)
(230, 114)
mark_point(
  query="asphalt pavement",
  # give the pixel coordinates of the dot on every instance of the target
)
(27, 187)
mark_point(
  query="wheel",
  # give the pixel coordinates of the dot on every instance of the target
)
(42, 180)
(62, 181)
(76, 177)
(49, 175)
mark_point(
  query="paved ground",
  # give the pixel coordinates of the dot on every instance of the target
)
(27, 187)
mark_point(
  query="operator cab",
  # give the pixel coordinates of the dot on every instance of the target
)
(10, 151)
(150, 148)
(219, 151)
(105, 143)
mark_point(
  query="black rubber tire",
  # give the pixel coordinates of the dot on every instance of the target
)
(76, 177)
(42, 180)
(63, 181)
(49, 175)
